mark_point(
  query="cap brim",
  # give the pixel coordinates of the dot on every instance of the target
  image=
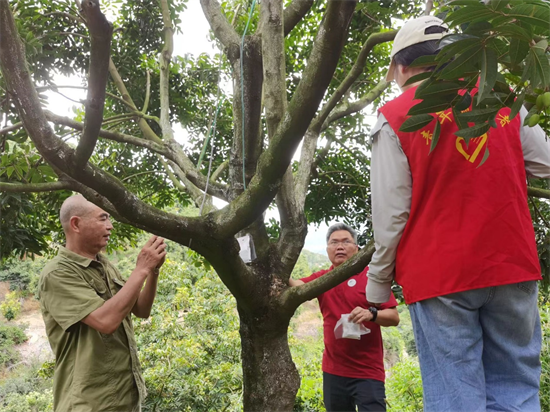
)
(390, 74)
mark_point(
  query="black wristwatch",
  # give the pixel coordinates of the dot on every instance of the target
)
(374, 312)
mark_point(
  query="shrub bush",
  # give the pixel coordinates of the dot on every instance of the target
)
(22, 275)
(9, 337)
(404, 387)
(11, 307)
(30, 402)
(190, 348)
(23, 390)
(307, 355)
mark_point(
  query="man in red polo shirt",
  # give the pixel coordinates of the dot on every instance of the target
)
(353, 370)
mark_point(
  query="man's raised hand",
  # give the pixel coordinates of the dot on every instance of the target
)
(152, 255)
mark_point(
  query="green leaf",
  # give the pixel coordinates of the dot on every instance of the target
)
(514, 30)
(433, 89)
(454, 44)
(417, 78)
(435, 137)
(480, 28)
(531, 14)
(473, 132)
(537, 68)
(516, 107)
(485, 155)
(478, 115)
(488, 73)
(470, 14)
(502, 21)
(424, 61)
(518, 50)
(414, 123)
(464, 103)
(498, 5)
(501, 85)
(459, 123)
(462, 65)
(542, 65)
(431, 106)
(529, 70)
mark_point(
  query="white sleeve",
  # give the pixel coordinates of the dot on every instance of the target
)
(536, 149)
(391, 191)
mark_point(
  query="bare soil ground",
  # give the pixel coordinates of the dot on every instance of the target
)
(308, 324)
(37, 346)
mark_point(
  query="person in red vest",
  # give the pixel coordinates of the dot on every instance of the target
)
(460, 241)
(353, 369)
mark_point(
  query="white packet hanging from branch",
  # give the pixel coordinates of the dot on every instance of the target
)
(345, 329)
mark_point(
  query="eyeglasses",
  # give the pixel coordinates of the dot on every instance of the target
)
(345, 243)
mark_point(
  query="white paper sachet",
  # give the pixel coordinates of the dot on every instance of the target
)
(345, 329)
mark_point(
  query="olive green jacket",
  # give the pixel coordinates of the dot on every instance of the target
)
(93, 371)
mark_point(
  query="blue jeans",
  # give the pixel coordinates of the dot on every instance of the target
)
(479, 350)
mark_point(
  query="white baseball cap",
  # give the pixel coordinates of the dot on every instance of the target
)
(414, 32)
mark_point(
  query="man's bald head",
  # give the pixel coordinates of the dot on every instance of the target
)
(76, 205)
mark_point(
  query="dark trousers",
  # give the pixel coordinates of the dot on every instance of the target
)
(352, 394)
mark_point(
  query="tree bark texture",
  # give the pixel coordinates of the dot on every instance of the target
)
(270, 377)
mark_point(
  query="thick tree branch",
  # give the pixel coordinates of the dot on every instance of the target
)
(76, 19)
(62, 157)
(353, 74)
(295, 12)
(11, 128)
(273, 59)
(159, 148)
(293, 221)
(55, 88)
(293, 297)
(101, 32)
(147, 92)
(198, 179)
(345, 109)
(218, 172)
(247, 144)
(148, 133)
(165, 58)
(429, 7)
(274, 162)
(293, 224)
(307, 157)
(537, 192)
(319, 124)
(223, 31)
(177, 176)
(178, 156)
(34, 187)
(309, 147)
(164, 63)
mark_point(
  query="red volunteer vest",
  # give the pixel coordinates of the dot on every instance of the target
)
(469, 226)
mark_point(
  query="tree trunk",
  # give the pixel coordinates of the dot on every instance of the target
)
(270, 377)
